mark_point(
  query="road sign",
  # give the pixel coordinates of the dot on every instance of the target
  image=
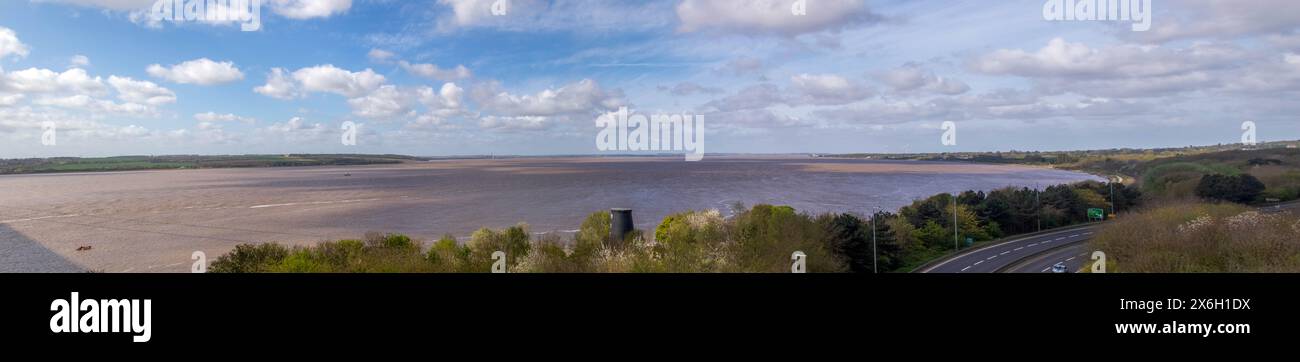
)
(970, 241)
(1098, 214)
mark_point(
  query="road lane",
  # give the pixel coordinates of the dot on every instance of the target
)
(1074, 256)
(998, 256)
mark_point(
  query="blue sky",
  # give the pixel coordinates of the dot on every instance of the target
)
(447, 77)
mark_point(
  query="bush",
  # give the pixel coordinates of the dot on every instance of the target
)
(1205, 238)
(250, 258)
(1242, 188)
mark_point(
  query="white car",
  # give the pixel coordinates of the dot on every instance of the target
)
(1060, 268)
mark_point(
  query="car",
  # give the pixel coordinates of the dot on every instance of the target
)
(1060, 268)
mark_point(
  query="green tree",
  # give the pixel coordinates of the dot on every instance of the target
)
(1242, 188)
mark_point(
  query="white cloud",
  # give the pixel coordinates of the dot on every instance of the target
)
(887, 111)
(434, 72)
(392, 101)
(380, 56)
(278, 85)
(385, 102)
(296, 129)
(743, 66)
(1190, 19)
(307, 9)
(1062, 58)
(449, 97)
(202, 71)
(110, 4)
(87, 103)
(36, 80)
(329, 79)
(322, 78)
(689, 88)
(7, 100)
(78, 61)
(759, 96)
(771, 16)
(10, 45)
(519, 123)
(583, 97)
(139, 91)
(213, 117)
(827, 89)
(913, 77)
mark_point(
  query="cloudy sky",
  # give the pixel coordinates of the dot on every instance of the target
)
(447, 77)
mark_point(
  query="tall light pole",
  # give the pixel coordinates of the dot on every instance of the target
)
(954, 224)
(1038, 209)
(874, 255)
(1112, 194)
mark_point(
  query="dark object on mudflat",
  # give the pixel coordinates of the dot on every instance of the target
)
(620, 224)
(83, 248)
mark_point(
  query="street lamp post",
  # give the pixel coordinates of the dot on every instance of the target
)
(1038, 209)
(874, 256)
(955, 245)
(1112, 195)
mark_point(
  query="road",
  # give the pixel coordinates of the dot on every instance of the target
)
(995, 258)
(1038, 253)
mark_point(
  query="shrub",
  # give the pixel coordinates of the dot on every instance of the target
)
(250, 258)
(1242, 188)
(1198, 237)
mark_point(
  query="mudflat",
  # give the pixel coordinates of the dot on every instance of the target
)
(152, 221)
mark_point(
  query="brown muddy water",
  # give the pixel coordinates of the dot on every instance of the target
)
(152, 221)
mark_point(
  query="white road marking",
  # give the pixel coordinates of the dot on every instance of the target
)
(1074, 236)
(1045, 269)
(1034, 244)
(977, 263)
(1071, 258)
(964, 269)
(1062, 238)
(1018, 249)
(991, 257)
(1005, 253)
(1087, 233)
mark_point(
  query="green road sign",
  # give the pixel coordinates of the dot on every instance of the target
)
(1096, 214)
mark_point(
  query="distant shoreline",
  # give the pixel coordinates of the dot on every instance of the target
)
(1095, 162)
